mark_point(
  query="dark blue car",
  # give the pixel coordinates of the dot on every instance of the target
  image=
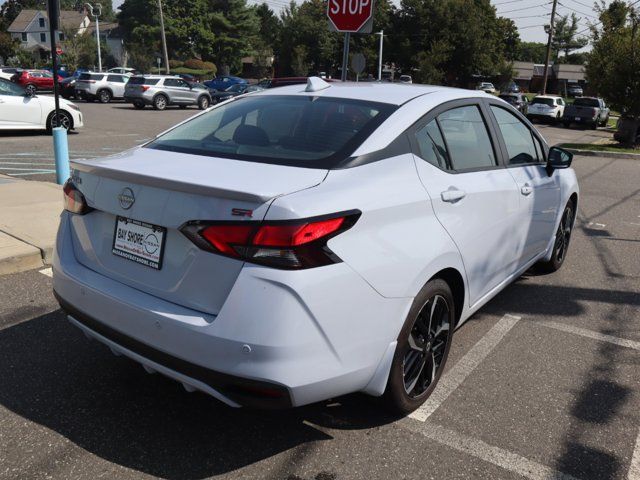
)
(223, 82)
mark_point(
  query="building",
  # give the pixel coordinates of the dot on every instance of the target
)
(111, 36)
(529, 76)
(31, 29)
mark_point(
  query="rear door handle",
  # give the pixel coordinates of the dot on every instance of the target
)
(452, 196)
(526, 189)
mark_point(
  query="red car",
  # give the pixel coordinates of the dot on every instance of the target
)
(34, 80)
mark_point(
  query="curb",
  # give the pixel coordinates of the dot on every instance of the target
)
(596, 153)
(17, 256)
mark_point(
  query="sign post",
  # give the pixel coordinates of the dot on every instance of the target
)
(349, 16)
(59, 132)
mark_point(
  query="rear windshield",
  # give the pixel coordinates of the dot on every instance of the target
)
(142, 81)
(91, 76)
(543, 101)
(586, 102)
(314, 132)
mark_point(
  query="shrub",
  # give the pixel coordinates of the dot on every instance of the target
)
(195, 64)
(176, 63)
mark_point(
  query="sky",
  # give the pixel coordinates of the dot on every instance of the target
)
(530, 15)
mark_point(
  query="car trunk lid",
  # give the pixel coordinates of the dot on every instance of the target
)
(167, 190)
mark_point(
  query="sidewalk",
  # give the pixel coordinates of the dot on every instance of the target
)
(29, 216)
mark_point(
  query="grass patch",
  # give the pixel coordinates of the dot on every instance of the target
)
(595, 147)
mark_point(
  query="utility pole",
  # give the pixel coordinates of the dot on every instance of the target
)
(381, 33)
(164, 39)
(548, 56)
(93, 10)
(345, 56)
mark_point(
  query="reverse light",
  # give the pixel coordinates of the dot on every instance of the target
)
(288, 244)
(74, 200)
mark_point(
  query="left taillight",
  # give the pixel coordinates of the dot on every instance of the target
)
(288, 244)
(74, 200)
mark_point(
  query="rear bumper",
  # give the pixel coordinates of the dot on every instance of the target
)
(281, 338)
(541, 116)
(579, 119)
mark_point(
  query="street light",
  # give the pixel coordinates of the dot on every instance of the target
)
(93, 9)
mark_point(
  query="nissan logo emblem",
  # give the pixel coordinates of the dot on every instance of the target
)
(126, 198)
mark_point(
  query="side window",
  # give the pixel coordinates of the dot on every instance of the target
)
(115, 78)
(467, 138)
(431, 145)
(43, 37)
(170, 82)
(182, 83)
(517, 137)
(23, 36)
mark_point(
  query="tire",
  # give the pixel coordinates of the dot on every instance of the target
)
(432, 314)
(139, 105)
(203, 102)
(104, 96)
(561, 245)
(566, 124)
(606, 121)
(66, 119)
(160, 102)
(31, 89)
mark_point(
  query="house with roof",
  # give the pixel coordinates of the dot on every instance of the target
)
(31, 29)
(529, 76)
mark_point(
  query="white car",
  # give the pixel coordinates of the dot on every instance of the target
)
(122, 70)
(22, 111)
(305, 242)
(7, 73)
(546, 107)
(486, 87)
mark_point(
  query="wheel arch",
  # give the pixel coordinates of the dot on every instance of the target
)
(455, 280)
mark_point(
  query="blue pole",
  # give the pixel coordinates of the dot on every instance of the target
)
(61, 152)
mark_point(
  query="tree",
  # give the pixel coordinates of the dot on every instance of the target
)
(305, 39)
(471, 40)
(8, 46)
(614, 63)
(564, 37)
(531, 52)
(78, 51)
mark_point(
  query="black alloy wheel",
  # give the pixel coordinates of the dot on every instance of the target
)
(423, 348)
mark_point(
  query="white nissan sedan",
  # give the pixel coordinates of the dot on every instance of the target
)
(305, 242)
(20, 110)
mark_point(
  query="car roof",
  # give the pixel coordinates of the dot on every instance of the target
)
(392, 93)
(547, 96)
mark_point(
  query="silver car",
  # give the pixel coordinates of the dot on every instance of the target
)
(160, 91)
(104, 87)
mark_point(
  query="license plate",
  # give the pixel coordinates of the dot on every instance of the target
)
(577, 119)
(139, 242)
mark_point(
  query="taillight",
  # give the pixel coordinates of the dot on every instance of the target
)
(286, 244)
(74, 200)
(144, 88)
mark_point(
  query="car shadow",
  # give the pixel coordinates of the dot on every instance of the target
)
(52, 375)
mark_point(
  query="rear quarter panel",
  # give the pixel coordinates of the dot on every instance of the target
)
(397, 244)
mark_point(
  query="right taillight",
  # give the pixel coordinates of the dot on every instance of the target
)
(289, 244)
(144, 88)
(74, 200)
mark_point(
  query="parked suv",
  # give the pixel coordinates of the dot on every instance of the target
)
(546, 107)
(161, 91)
(100, 86)
(34, 80)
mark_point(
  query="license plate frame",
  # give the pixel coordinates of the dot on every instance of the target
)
(141, 242)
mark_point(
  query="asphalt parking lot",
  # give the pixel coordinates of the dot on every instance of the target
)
(117, 126)
(542, 383)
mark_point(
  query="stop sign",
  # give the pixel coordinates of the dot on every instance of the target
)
(349, 15)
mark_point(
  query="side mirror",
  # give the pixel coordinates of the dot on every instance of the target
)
(558, 158)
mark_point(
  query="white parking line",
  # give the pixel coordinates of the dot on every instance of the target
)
(47, 271)
(467, 364)
(634, 468)
(491, 454)
(39, 172)
(623, 342)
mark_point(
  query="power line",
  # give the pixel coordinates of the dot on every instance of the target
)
(583, 4)
(530, 16)
(577, 11)
(525, 8)
(504, 3)
(530, 26)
